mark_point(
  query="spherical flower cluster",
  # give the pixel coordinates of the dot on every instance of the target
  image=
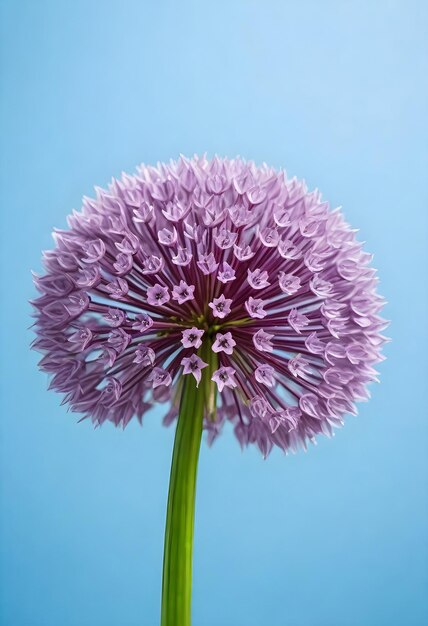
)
(213, 264)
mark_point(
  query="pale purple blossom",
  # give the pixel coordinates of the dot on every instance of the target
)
(183, 257)
(142, 322)
(224, 343)
(111, 392)
(299, 366)
(119, 339)
(265, 374)
(320, 287)
(221, 306)
(192, 337)
(282, 217)
(152, 265)
(216, 268)
(258, 279)
(255, 308)
(80, 339)
(263, 341)
(89, 276)
(288, 250)
(298, 321)
(118, 288)
(144, 355)
(259, 406)
(243, 253)
(314, 261)
(287, 419)
(77, 303)
(159, 377)
(224, 377)
(183, 292)
(225, 239)
(207, 263)
(193, 365)
(335, 350)
(129, 244)
(123, 263)
(167, 237)
(314, 344)
(157, 295)
(93, 250)
(226, 274)
(114, 317)
(288, 283)
(269, 237)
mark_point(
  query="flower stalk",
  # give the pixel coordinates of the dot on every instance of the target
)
(178, 547)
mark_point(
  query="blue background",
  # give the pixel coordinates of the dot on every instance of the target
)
(335, 92)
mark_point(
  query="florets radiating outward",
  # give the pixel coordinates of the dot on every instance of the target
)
(219, 254)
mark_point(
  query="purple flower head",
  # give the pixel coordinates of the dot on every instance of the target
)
(193, 365)
(221, 306)
(223, 270)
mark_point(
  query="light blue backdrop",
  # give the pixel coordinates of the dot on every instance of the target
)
(334, 91)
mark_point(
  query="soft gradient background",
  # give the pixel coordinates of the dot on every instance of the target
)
(334, 91)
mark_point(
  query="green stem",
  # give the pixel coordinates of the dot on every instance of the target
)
(177, 565)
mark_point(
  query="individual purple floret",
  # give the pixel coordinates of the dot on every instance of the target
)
(211, 257)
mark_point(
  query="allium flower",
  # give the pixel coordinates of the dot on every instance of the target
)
(220, 252)
(225, 290)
